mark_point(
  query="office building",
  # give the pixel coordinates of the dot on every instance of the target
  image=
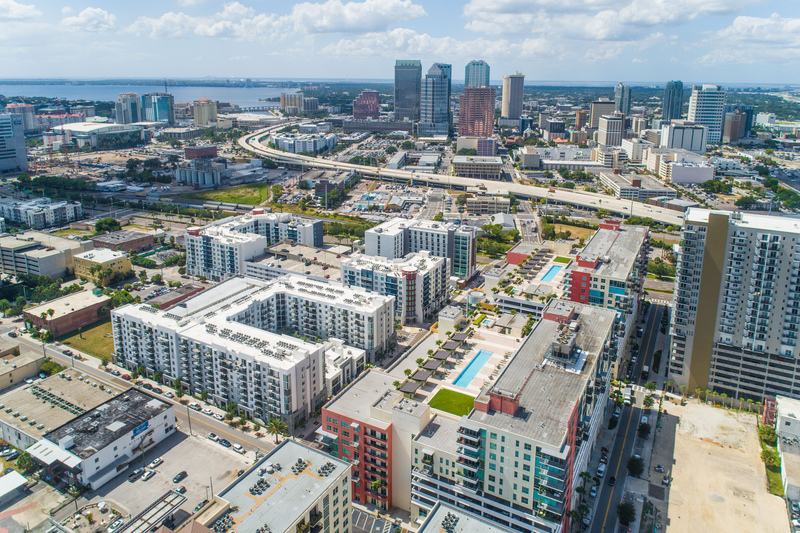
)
(42, 254)
(610, 129)
(484, 146)
(638, 125)
(13, 153)
(204, 112)
(622, 99)
(516, 459)
(513, 91)
(706, 109)
(737, 305)
(734, 128)
(746, 110)
(418, 282)
(526, 122)
(158, 107)
(71, 312)
(100, 265)
(407, 89)
(478, 167)
(371, 426)
(685, 172)
(613, 157)
(30, 124)
(684, 135)
(635, 186)
(220, 249)
(609, 272)
(476, 74)
(487, 204)
(95, 447)
(476, 112)
(309, 142)
(304, 490)
(435, 118)
(553, 129)
(200, 173)
(580, 119)
(129, 109)
(599, 108)
(242, 341)
(672, 104)
(399, 237)
(635, 148)
(40, 213)
(366, 105)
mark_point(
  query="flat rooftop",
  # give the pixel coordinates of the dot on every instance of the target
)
(450, 519)
(746, 220)
(288, 494)
(31, 238)
(10, 363)
(101, 255)
(96, 429)
(617, 251)
(477, 160)
(647, 182)
(357, 399)
(548, 390)
(69, 304)
(121, 236)
(421, 261)
(53, 401)
(441, 433)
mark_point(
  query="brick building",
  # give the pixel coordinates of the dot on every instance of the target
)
(366, 105)
(71, 312)
(124, 240)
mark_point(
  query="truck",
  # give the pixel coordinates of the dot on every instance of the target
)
(627, 394)
(645, 372)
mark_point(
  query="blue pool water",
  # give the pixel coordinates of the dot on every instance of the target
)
(468, 374)
(551, 273)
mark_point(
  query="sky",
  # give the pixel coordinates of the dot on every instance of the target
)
(700, 41)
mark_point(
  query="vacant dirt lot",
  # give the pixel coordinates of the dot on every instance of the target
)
(719, 483)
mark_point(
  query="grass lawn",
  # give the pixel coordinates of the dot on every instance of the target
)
(94, 341)
(457, 403)
(245, 194)
(72, 232)
(560, 259)
(774, 483)
(575, 231)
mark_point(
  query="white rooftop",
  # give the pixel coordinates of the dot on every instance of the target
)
(101, 255)
(746, 220)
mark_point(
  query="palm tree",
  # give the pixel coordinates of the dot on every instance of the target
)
(749, 404)
(670, 384)
(723, 396)
(684, 388)
(276, 426)
(585, 476)
(582, 492)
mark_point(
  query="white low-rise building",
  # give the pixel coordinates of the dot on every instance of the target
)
(312, 142)
(635, 149)
(40, 213)
(684, 172)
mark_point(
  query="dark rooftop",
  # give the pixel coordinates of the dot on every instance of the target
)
(409, 387)
(450, 345)
(460, 337)
(96, 429)
(432, 364)
(441, 355)
(420, 375)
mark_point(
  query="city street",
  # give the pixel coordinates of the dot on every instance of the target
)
(609, 497)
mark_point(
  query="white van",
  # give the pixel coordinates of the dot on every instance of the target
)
(601, 470)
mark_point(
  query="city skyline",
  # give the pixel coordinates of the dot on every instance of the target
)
(611, 39)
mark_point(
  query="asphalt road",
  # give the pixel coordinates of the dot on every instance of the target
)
(200, 423)
(609, 497)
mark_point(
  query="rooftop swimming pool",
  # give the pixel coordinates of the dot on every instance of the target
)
(468, 374)
(552, 272)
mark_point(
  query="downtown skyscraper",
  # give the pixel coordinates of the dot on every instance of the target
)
(513, 90)
(622, 99)
(476, 74)
(672, 106)
(435, 115)
(706, 108)
(476, 112)
(407, 89)
(158, 107)
(128, 108)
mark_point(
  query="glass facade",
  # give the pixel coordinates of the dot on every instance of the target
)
(407, 87)
(435, 112)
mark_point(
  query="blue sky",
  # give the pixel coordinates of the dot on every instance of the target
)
(714, 41)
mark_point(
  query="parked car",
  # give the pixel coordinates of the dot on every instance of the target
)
(225, 443)
(593, 491)
(212, 437)
(136, 474)
(168, 394)
(147, 475)
(155, 462)
(180, 476)
(14, 454)
(207, 411)
(66, 352)
(238, 448)
(181, 490)
(126, 376)
(219, 416)
(194, 406)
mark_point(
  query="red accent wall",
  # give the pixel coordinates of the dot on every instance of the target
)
(574, 292)
(572, 430)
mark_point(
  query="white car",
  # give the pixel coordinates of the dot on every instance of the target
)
(207, 411)
(593, 491)
(195, 406)
(147, 475)
(219, 416)
(238, 448)
(155, 462)
(644, 420)
(212, 437)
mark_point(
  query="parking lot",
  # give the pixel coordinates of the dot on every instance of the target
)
(209, 467)
(366, 523)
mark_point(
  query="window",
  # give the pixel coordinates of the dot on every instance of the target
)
(526, 456)
(526, 490)
(528, 447)
(491, 478)
(526, 477)
(493, 436)
(526, 468)
(524, 500)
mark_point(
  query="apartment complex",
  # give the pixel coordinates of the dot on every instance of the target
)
(706, 109)
(128, 109)
(41, 254)
(233, 341)
(399, 237)
(99, 265)
(513, 91)
(204, 112)
(407, 89)
(609, 272)
(476, 112)
(158, 107)
(737, 305)
(478, 167)
(40, 213)
(371, 426)
(476, 74)
(516, 458)
(366, 105)
(418, 282)
(219, 250)
(309, 142)
(13, 152)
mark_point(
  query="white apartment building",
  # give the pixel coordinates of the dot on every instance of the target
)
(736, 333)
(418, 282)
(516, 459)
(706, 108)
(257, 343)
(635, 149)
(635, 186)
(222, 248)
(684, 172)
(40, 213)
(610, 129)
(399, 237)
(310, 142)
(684, 135)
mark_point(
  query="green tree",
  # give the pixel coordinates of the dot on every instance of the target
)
(158, 278)
(770, 457)
(397, 384)
(438, 217)
(644, 430)
(5, 305)
(626, 513)
(275, 427)
(650, 386)
(204, 395)
(649, 402)
(768, 434)
(182, 271)
(143, 276)
(178, 389)
(635, 466)
(107, 225)
(25, 463)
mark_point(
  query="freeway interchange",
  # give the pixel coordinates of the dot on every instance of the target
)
(593, 201)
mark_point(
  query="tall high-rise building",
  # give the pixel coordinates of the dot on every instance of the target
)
(580, 119)
(29, 121)
(158, 107)
(672, 105)
(435, 104)
(706, 109)
(513, 90)
(129, 108)
(746, 110)
(407, 89)
(622, 99)
(737, 305)
(597, 109)
(476, 74)
(476, 112)
(205, 111)
(609, 129)
(13, 154)
(366, 105)
(733, 130)
(292, 100)
(682, 134)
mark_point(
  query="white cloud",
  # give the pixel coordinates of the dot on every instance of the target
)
(66, 10)
(91, 19)
(353, 17)
(190, 3)
(9, 9)
(168, 26)
(755, 40)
